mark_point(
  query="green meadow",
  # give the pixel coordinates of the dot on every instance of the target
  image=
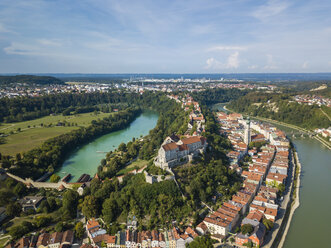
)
(26, 135)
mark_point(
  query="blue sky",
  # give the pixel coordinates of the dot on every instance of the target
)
(173, 36)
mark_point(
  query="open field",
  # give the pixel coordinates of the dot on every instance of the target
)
(136, 164)
(3, 240)
(32, 134)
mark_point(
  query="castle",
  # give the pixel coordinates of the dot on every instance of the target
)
(175, 151)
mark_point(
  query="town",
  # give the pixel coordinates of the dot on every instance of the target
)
(260, 155)
(164, 85)
(313, 99)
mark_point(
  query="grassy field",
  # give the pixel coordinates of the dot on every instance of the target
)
(32, 134)
(136, 164)
(3, 241)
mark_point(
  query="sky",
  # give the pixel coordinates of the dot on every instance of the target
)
(165, 36)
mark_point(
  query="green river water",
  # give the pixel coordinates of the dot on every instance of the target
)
(86, 158)
(310, 223)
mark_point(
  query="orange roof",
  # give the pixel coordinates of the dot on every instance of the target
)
(170, 146)
(271, 211)
(190, 231)
(92, 223)
(193, 139)
(255, 215)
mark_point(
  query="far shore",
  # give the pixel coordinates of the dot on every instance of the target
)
(289, 126)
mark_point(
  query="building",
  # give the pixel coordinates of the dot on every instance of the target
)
(257, 237)
(247, 134)
(31, 202)
(174, 153)
(94, 229)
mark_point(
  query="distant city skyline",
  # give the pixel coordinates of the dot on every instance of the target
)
(198, 36)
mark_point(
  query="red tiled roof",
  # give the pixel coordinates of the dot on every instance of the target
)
(170, 146)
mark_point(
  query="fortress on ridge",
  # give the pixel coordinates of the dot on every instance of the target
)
(175, 151)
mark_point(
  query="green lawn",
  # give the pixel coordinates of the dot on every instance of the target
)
(32, 134)
(136, 164)
(3, 241)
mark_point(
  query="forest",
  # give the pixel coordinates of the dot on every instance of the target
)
(280, 107)
(212, 96)
(157, 205)
(51, 154)
(29, 79)
(207, 179)
(28, 108)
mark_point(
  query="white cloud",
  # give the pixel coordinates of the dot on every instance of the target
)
(233, 60)
(305, 65)
(225, 48)
(252, 67)
(212, 63)
(21, 49)
(271, 8)
(47, 42)
(270, 63)
(231, 63)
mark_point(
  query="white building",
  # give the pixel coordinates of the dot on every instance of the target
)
(174, 152)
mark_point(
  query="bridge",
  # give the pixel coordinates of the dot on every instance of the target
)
(47, 185)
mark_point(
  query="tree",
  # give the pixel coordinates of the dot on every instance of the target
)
(20, 189)
(201, 241)
(109, 210)
(281, 188)
(55, 178)
(249, 244)
(19, 230)
(90, 206)
(5, 196)
(42, 221)
(13, 209)
(247, 229)
(122, 147)
(69, 203)
(60, 226)
(79, 230)
(268, 224)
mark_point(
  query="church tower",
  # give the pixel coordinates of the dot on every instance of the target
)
(247, 134)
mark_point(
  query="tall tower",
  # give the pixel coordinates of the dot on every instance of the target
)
(247, 135)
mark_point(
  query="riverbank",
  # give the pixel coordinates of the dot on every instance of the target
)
(273, 239)
(295, 198)
(87, 158)
(290, 203)
(328, 145)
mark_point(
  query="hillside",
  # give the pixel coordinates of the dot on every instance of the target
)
(280, 107)
(29, 79)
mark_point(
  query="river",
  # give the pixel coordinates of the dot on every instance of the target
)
(310, 223)
(86, 158)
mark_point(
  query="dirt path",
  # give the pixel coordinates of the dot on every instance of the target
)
(325, 114)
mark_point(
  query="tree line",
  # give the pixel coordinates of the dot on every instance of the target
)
(51, 154)
(282, 108)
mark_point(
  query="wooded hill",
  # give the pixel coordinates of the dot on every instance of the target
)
(281, 107)
(29, 79)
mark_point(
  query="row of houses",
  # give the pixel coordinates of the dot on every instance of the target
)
(313, 99)
(265, 203)
(132, 238)
(267, 168)
(45, 240)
